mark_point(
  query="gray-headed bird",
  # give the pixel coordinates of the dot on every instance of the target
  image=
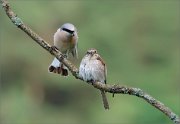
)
(65, 40)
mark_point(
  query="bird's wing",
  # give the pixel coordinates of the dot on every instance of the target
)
(75, 52)
(75, 49)
(104, 67)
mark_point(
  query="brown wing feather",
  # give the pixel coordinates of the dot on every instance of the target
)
(105, 68)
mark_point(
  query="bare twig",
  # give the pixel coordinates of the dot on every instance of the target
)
(114, 89)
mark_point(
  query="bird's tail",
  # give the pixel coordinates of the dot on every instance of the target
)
(105, 101)
(57, 67)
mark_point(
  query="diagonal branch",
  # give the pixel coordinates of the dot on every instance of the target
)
(114, 89)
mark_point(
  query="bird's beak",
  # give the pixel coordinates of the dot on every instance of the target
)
(91, 54)
(72, 34)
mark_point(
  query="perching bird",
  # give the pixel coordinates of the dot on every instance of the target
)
(65, 40)
(93, 68)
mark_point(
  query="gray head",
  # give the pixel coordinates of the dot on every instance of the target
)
(68, 27)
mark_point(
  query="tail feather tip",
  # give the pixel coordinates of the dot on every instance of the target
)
(51, 68)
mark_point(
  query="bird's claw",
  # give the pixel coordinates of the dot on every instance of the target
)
(64, 56)
(53, 48)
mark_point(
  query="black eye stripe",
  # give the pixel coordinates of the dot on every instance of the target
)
(67, 30)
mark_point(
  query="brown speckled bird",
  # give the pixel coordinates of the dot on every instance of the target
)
(93, 68)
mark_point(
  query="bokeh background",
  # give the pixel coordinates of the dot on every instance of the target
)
(139, 40)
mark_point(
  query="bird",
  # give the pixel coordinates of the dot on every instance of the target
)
(65, 40)
(93, 69)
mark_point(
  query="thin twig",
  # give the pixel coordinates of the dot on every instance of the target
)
(114, 89)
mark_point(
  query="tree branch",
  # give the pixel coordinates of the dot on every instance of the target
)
(114, 89)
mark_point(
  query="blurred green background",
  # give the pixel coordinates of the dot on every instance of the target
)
(139, 41)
